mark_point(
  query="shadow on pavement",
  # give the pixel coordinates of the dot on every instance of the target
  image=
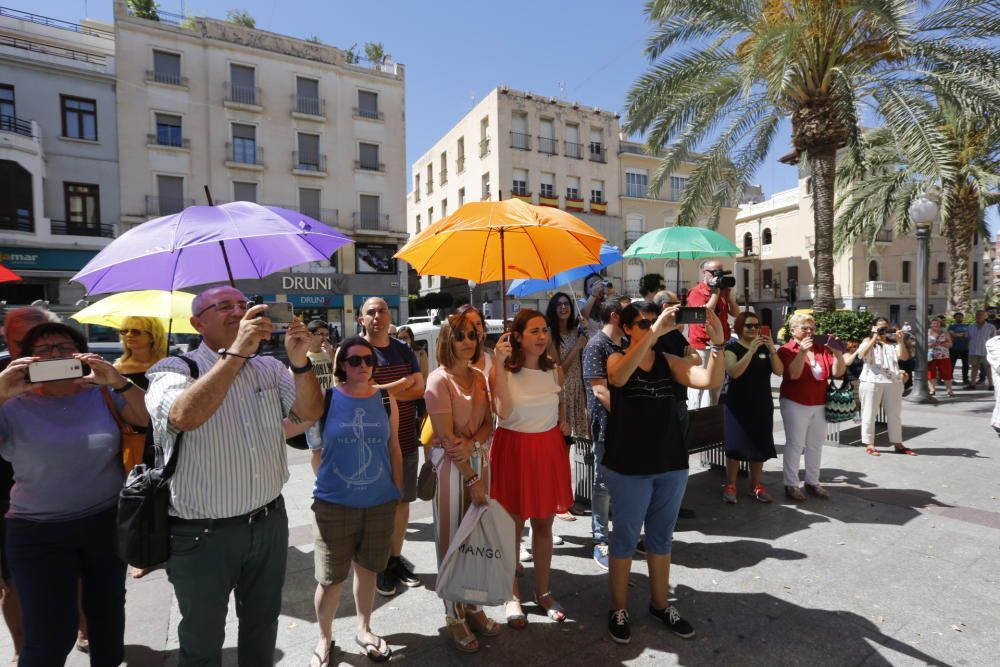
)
(728, 556)
(143, 656)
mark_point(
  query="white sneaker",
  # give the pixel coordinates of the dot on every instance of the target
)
(556, 540)
(525, 555)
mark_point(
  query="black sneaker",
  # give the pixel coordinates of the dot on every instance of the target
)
(640, 547)
(403, 574)
(385, 583)
(673, 620)
(619, 627)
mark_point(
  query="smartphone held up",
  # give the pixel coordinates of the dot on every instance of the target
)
(52, 370)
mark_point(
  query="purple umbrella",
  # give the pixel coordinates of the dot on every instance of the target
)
(209, 244)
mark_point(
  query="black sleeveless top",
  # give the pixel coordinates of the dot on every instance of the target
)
(643, 428)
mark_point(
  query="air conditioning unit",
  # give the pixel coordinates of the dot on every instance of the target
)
(504, 89)
(528, 96)
(576, 105)
(552, 100)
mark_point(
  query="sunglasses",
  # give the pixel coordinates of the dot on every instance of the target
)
(460, 336)
(643, 323)
(133, 332)
(751, 326)
(356, 360)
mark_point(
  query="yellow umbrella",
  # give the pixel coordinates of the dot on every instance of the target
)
(173, 308)
(489, 241)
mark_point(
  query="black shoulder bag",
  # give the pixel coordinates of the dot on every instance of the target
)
(144, 504)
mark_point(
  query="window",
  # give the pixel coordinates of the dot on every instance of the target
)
(485, 184)
(83, 206)
(7, 108)
(16, 197)
(484, 137)
(309, 202)
(368, 154)
(418, 223)
(416, 187)
(941, 272)
(308, 157)
(371, 214)
(975, 276)
(767, 277)
(572, 147)
(170, 190)
(547, 137)
(519, 131)
(368, 104)
(765, 236)
(375, 258)
(244, 191)
(461, 197)
(430, 178)
(547, 185)
(79, 118)
(168, 130)
(244, 144)
(572, 187)
(460, 156)
(677, 187)
(242, 85)
(307, 96)
(519, 185)
(793, 273)
(597, 145)
(167, 67)
(430, 215)
(636, 182)
(906, 272)
(597, 192)
(444, 167)
(872, 270)
(444, 208)
(747, 243)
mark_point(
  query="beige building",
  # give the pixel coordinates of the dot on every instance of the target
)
(262, 117)
(547, 152)
(776, 236)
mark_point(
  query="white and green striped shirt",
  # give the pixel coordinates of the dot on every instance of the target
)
(235, 462)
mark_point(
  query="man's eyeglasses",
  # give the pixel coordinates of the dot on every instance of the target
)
(133, 332)
(45, 350)
(223, 307)
(356, 360)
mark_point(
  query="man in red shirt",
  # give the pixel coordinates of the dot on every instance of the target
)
(707, 294)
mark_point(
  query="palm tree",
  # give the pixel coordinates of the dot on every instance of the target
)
(817, 63)
(877, 192)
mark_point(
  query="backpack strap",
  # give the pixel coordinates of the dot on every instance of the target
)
(327, 399)
(386, 403)
(171, 464)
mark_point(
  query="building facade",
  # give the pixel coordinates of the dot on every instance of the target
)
(547, 152)
(59, 185)
(255, 116)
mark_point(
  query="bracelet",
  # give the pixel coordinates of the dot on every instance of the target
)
(472, 480)
(223, 352)
(121, 390)
(298, 370)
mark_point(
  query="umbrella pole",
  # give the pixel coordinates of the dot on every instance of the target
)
(503, 277)
(677, 272)
(225, 256)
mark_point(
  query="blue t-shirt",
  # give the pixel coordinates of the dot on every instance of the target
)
(66, 454)
(959, 344)
(355, 469)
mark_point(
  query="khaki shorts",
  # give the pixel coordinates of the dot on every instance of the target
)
(344, 534)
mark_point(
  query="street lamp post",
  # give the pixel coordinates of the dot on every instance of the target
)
(923, 213)
(472, 286)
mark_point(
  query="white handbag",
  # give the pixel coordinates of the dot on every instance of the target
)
(479, 565)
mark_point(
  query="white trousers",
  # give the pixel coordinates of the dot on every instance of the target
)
(703, 398)
(805, 431)
(890, 396)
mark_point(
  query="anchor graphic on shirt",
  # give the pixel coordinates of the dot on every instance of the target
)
(361, 477)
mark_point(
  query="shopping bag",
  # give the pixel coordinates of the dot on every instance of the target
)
(840, 403)
(479, 565)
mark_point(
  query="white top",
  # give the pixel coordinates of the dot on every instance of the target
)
(881, 365)
(536, 401)
(993, 358)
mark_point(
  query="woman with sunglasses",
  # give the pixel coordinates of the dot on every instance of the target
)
(487, 359)
(359, 478)
(459, 408)
(530, 469)
(748, 409)
(645, 460)
(569, 337)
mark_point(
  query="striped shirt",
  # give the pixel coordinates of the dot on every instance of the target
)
(978, 335)
(396, 361)
(235, 462)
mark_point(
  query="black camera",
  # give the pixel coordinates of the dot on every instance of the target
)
(721, 279)
(881, 331)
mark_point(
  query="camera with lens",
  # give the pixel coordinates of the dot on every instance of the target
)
(721, 279)
(881, 331)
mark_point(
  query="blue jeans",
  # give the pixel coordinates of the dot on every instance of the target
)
(600, 500)
(48, 560)
(653, 500)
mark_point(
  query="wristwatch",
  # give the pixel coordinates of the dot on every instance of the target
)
(299, 370)
(121, 390)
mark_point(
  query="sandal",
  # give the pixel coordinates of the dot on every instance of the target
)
(870, 449)
(516, 620)
(818, 491)
(323, 661)
(555, 610)
(795, 493)
(482, 624)
(375, 651)
(905, 450)
(468, 642)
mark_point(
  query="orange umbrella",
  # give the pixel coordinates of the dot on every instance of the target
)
(489, 241)
(7, 276)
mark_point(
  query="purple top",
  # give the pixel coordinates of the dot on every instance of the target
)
(66, 453)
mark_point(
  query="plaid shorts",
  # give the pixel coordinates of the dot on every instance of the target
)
(344, 534)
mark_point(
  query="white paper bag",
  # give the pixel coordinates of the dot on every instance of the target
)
(479, 566)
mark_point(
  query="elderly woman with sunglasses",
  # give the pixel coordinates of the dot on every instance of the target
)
(65, 446)
(359, 479)
(458, 404)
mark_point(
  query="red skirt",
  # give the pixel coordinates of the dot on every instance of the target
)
(530, 473)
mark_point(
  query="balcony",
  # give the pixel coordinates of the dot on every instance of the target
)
(460, 164)
(547, 146)
(369, 114)
(767, 250)
(328, 216)
(17, 126)
(573, 150)
(597, 152)
(374, 165)
(242, 97)
(521, 142)
(245, 156)
(99, 229)
(632, 235)
(159, 206)
(769, 293)
(484, 147)
(881, 288)
(639, 191)
(378, 222)
(310, 108)
(308, 163)
(22, 221)
(443, 176)
(166, 78)
(167, 141)
(632, 287)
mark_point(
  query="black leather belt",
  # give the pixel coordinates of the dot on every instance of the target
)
(249, 518)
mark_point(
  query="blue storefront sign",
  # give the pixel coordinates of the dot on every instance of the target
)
(392, 300)
(311, 300)
(41, 259)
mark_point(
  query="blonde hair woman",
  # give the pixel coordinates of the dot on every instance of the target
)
(144, 342)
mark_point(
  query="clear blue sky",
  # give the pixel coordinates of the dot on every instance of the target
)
(457, 51)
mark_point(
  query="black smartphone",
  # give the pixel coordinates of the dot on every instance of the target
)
(821, 339)
(690, 315)
(51, 370)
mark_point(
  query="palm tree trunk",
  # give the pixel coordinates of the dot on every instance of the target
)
(823, 165)
(958, 236)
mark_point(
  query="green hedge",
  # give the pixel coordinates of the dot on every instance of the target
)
(845, 324)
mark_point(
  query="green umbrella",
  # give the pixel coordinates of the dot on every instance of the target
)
(681, 243)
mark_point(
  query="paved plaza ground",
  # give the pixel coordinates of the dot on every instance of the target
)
(900, 567)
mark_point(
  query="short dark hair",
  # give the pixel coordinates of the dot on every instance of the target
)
(340, 357)
(631, 312)
(48, 329)
(317, 324)
(607, 309)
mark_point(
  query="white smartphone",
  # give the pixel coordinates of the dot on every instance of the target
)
(50, 370)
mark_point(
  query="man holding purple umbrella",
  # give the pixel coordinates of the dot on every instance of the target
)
(229, 530)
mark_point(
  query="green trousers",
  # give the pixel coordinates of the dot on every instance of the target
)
(209, 562)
